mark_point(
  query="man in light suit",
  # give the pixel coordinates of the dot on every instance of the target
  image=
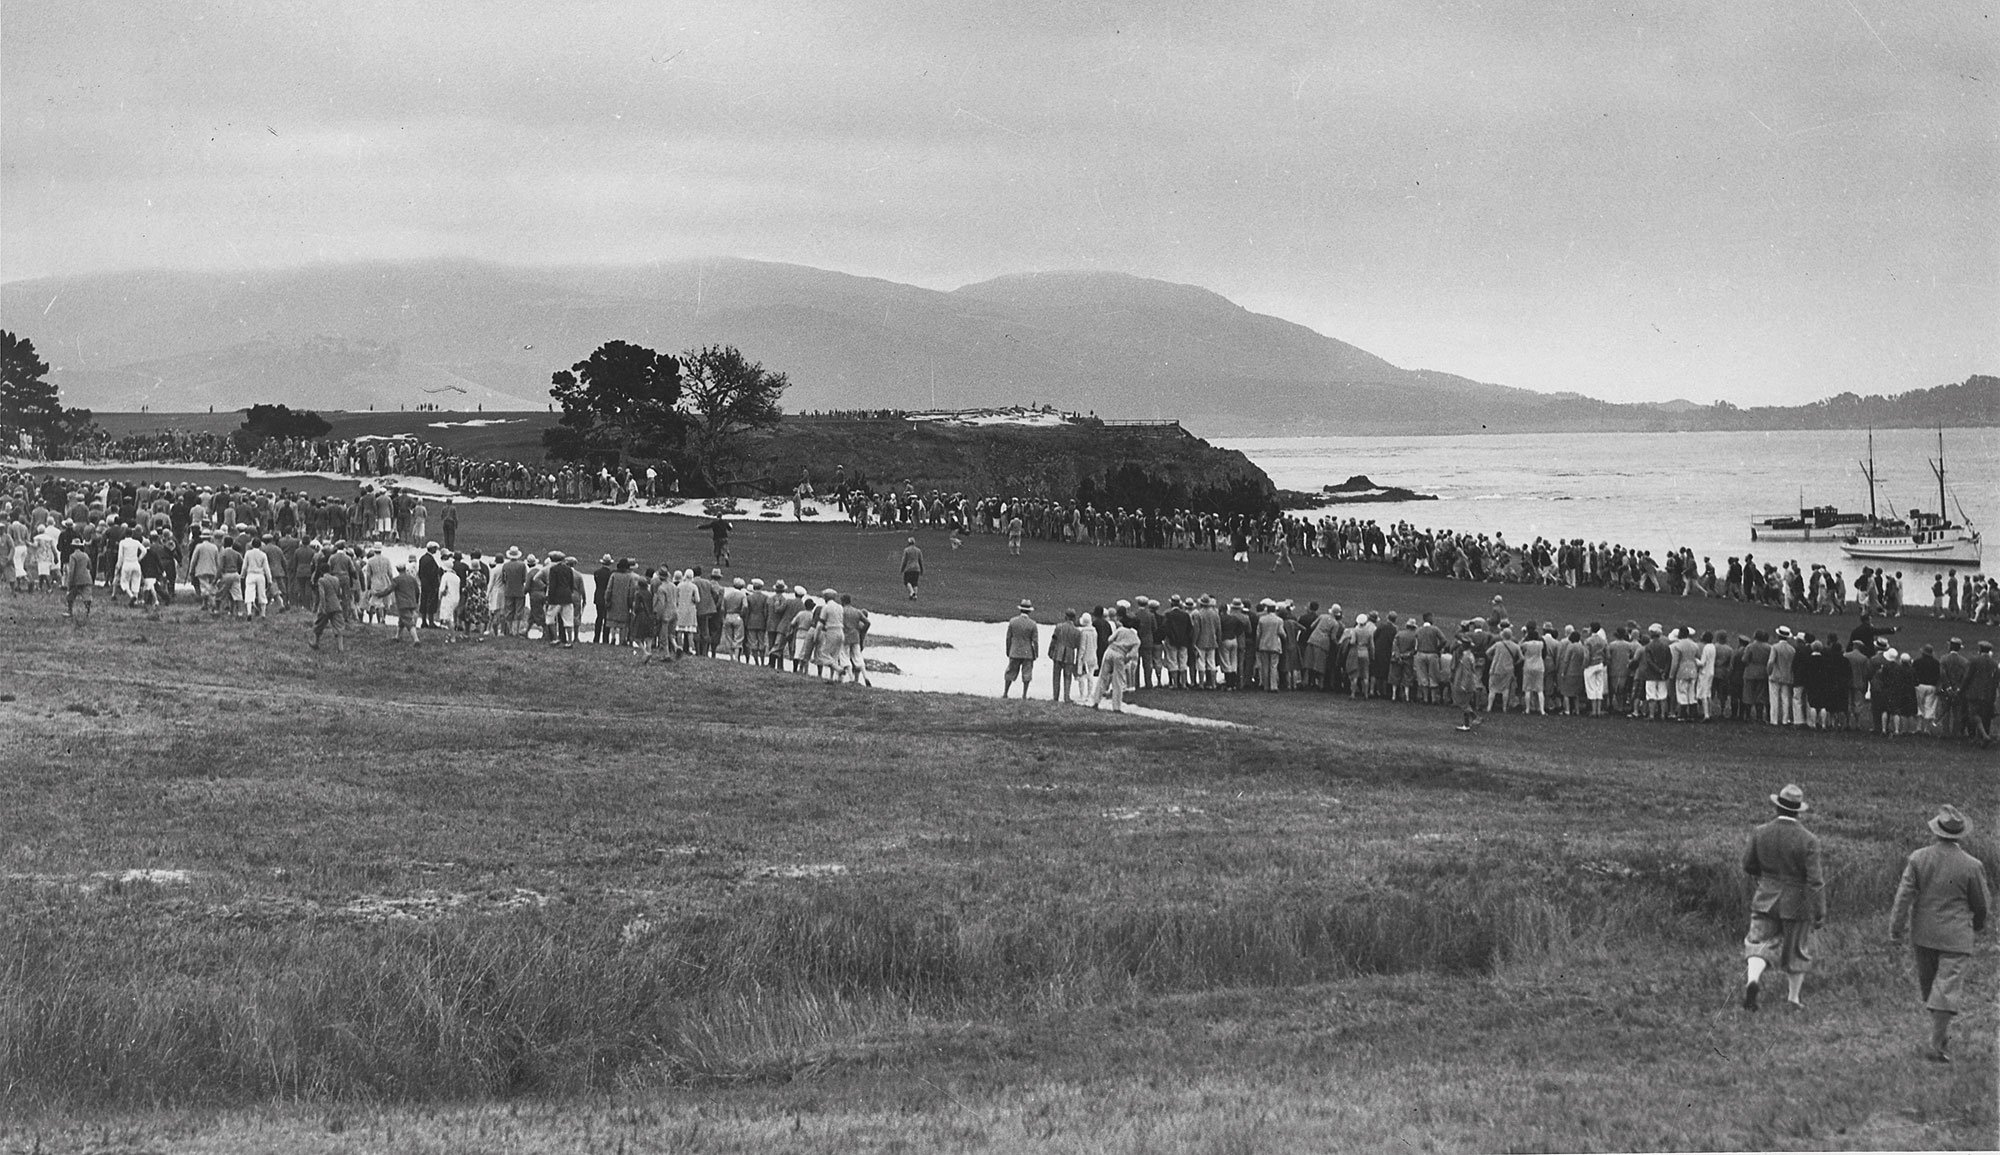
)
(1941, 904)
(1024, 642)
(1790, 901)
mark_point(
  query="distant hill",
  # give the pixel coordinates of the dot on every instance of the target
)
(466, 335)
(318, 372)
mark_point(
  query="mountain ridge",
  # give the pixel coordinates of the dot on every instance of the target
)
(469, 334)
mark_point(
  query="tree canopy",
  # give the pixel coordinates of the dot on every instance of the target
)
(726, 397)
(627, 403)
(266, 421)
(30, 404)
(623, 401)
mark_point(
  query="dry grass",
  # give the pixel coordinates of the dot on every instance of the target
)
(500, 897)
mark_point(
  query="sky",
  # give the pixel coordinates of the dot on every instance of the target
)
(1757, 202)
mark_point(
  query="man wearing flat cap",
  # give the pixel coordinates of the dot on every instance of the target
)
(1940, 905)
(1790, 900)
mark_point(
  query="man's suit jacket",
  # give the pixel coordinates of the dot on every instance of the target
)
(1783, 857)
(1942, 900)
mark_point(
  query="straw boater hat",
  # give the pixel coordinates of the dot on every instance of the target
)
(1791, 799)
(513, 553)
(1949, 824)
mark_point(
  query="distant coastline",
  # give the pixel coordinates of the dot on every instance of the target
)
(1971, 404)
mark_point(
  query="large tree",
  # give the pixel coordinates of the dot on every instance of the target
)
(622, 403)
(726, 397)
(30, 404)
(261, 422)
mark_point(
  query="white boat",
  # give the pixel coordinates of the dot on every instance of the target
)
(1815, 523)
(1923, 537)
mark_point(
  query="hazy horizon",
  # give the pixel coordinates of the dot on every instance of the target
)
(1766, 206)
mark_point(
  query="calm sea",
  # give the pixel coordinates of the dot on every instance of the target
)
(1652, 490)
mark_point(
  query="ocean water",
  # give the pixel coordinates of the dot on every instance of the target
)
(1655, 491)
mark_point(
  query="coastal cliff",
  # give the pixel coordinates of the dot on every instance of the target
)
(1107, 465)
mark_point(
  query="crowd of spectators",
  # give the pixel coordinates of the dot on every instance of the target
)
(1450, 553)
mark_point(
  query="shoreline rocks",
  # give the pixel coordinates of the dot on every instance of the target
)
(1356, 490)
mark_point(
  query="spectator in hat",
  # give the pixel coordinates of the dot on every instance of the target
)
(1270, 642)
(561, 595)
(1941, 904)
(1785, 698)
(406, 594)
(1065, 642)
(623, 588)
(1024, 644)
(600, 599)
(913, 567)
(1952, 669)
(735, 600)
(331, 611)
(513, 585)
(430, 574)
(1790, 900)
(1121, 654)
(1982, 682)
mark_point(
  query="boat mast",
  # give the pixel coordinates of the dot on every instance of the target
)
(1937, 467)
(1868, 471)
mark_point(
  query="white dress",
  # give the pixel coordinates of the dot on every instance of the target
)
(448, 591)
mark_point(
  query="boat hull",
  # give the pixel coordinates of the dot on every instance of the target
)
(1950, 551)
(1801, 533)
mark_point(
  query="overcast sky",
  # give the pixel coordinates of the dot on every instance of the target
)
(1762, 202)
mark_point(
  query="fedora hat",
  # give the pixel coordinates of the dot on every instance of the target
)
(513, 553)
(1950, 824)
(1791, 799)
(1025, 606)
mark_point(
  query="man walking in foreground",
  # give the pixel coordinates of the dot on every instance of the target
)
(1940, 905)
(1024, 643)
(1790, 901)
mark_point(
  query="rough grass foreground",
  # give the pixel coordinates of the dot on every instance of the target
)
(497, 896)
